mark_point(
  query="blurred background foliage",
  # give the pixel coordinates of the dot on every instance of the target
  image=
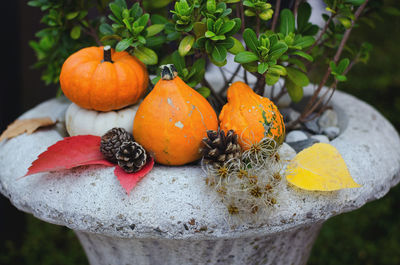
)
(370, 235)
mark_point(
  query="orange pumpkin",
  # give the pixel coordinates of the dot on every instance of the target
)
(172, 120)
(100, 79)
(251, 116)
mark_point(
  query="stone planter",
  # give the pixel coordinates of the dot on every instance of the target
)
(171, 217)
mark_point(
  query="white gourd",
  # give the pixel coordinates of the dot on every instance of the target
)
(80, 121)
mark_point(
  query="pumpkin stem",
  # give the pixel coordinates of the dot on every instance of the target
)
(168, 72)
(107, 54)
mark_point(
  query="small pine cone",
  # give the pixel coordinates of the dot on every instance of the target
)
(112, 140)
(219, 147)
(131, 156)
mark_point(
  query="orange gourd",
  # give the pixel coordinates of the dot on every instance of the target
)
(251, 116)
(172, 120)
(101, 79)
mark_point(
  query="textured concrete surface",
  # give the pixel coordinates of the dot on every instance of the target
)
(173, 203)
(286, 248)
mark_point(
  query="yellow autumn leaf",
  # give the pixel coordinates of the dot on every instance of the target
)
(320, 168)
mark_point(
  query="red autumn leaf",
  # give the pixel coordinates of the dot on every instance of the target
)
(68, 153)
(129, 180)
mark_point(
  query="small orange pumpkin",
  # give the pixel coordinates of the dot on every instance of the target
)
(251, 116)
(172, 120)
(100, 79)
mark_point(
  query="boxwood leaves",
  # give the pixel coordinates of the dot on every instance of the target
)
(287, 22)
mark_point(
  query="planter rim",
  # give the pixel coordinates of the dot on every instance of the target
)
(167, 202)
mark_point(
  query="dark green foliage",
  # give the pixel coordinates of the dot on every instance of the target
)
(67, 30)
(43, 244)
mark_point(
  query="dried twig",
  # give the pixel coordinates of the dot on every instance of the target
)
(313, 103)
(276, 15)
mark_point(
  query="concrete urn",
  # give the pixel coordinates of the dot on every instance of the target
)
(171, 217)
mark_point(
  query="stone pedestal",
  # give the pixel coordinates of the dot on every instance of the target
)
(171, 217)
(289, 247)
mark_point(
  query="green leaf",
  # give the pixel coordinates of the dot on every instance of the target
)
(124, 44)
(341, 78)
(209, 34)
(219, 64)
(146, 55)
(251, 67)
(72, 15)
(178, 61)
(304, 55)
(342, 65)
(106, 29)
(227, 43)
(34, 3)
(199, 65)
(354, 2)
(298, 63)
(303, 15)
(154, 29)
(209, 46)
(157, 19)
(204, 91)
(75, 32)
(297, 76)
(287, 22)
(250, 38)
(262, 67)
(155, 41)
(226, 27)
(186, 45)
(248, 3)
(219, 53)
(142, 21)
(277, 50)
(236, 28)
(295, 92)
(211, 6)
(345, 22)
(116, 10)
(277, 69)
(271, 79)
(159, 3)
(237, 46)
(199, 29)
(304, 42)
(210, 24)
(332, 65)
(245, 57)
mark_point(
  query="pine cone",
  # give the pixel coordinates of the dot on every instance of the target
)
(112, 140)
(219, 147)
(131, 156)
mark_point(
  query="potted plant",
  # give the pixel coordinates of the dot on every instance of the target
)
(274, 44)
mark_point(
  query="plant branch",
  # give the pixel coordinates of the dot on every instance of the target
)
(333, 87)
(257, 25)
(324, 29)
(242, 16)
(296, 7)
(213, 93)
(313, 103)
(260, 85)
(276, 15)
(227, 82)
(92, 33)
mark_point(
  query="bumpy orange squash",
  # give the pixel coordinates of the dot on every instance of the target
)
(172, 120)
(251, 116)
(100, 79)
